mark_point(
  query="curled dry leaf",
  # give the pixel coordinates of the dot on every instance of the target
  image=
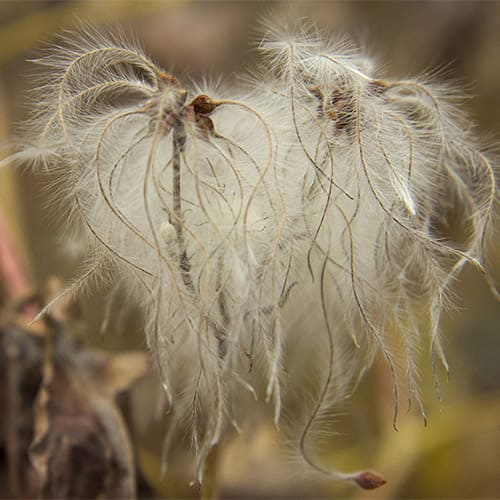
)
(61, 398)
(81, 447)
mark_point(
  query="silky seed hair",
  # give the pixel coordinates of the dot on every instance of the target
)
(277, 239)
(177, 195)
(382, 160)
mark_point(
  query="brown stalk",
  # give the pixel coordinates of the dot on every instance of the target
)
(178, 139)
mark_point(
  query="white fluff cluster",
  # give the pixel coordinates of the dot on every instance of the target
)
(307, 216)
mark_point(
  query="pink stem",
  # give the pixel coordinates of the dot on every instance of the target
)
(12, 272)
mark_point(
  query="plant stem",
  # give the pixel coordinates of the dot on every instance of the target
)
(12, 273)
(208, 489)
(209, 483)
(179, 138)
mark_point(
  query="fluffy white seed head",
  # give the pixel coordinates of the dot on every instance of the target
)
(307, 217)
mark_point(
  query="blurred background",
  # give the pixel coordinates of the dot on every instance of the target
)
(458, 454)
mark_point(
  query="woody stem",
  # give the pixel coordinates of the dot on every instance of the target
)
(179, 139)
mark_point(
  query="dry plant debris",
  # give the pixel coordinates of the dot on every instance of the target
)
(64, 432)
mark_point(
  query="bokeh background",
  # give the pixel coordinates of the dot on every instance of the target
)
(458, 454)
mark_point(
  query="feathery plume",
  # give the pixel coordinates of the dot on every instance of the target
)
(306, 214)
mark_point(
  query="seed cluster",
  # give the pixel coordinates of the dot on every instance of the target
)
(287, 234)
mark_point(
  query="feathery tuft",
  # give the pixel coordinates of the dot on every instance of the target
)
(308, 214)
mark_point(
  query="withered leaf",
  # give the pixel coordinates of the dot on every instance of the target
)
(81, 447)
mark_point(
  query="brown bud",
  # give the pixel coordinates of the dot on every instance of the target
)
(369, 480)
(203, 104)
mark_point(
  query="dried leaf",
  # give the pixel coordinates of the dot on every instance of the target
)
(81, 447)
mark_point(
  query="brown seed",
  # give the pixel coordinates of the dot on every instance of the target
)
(369, 480)
(203, 104)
